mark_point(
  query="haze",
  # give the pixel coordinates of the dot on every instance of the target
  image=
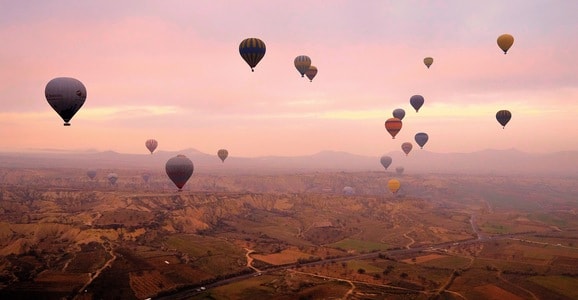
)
(171, 70)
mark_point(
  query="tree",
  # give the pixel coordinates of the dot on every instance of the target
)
(361, 271)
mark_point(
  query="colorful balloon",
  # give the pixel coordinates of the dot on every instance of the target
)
(503, 117)
(428, 61)
(416, 102)
(151, 144)
(393, 126)
(223, 153)
(406, 147)
(179, 169)
(393, 185)
(505, 41)
(66, 96)
(421, 138)
(311, 73)
(385, 161)
(399, 113)
(252, 51)
(302, 63)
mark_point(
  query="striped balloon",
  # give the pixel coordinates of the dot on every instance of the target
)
(151, 144)
(311, 73)
(252, 51)
(503, 117)
(393, 126)
(302, 63)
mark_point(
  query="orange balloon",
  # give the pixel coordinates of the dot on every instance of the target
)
(393, 126)
(393, 185)
(505, 41)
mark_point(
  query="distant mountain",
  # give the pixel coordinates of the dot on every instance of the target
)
(489, 161)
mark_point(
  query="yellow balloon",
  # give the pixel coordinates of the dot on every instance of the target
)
(505, 41)
(428, 61)
(393, 185)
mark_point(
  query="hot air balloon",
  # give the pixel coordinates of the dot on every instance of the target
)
(223, 153)
(505, 41)
(393, 185)
(406, 147)
(428, 61)
(91, 173)
(151, 144)
(421, 138)
(311, 72)
(252, 51)
(112, 178)
(399, 113)
(179, 169)
(393, 126)
(348, 190)
(399, 170)
(503, 117)
(416, 101)
(302, 63)
(385, 161)
(146, 177)
(66, 96)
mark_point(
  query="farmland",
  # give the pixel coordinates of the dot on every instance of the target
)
(67, 237)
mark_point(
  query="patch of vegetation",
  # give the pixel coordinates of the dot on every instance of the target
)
(359, 246)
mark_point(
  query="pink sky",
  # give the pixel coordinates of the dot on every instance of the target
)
(171, 70)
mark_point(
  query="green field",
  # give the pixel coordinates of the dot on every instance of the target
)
(559, 284)
(359, 246)
(199, 246)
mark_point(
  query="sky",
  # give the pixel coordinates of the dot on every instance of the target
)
(171, 70)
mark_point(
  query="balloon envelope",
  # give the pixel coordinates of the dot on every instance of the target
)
(406, 147)
(112, 178)
(416, 101)
(179, 169)
(91, 174)
(393, 126)
(393, 185)
(252, 51)
(302, 64)
(505, 41)
(223, 153)
(311, 73)
(348, 190)
(146, 177)
(399, 170)
(66, 96)
(151, 144)
(428, 61)
(385, 161)
(421, 138)
(503, 117)
(399, 113)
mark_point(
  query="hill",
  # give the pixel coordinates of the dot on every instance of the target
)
(489, 161)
